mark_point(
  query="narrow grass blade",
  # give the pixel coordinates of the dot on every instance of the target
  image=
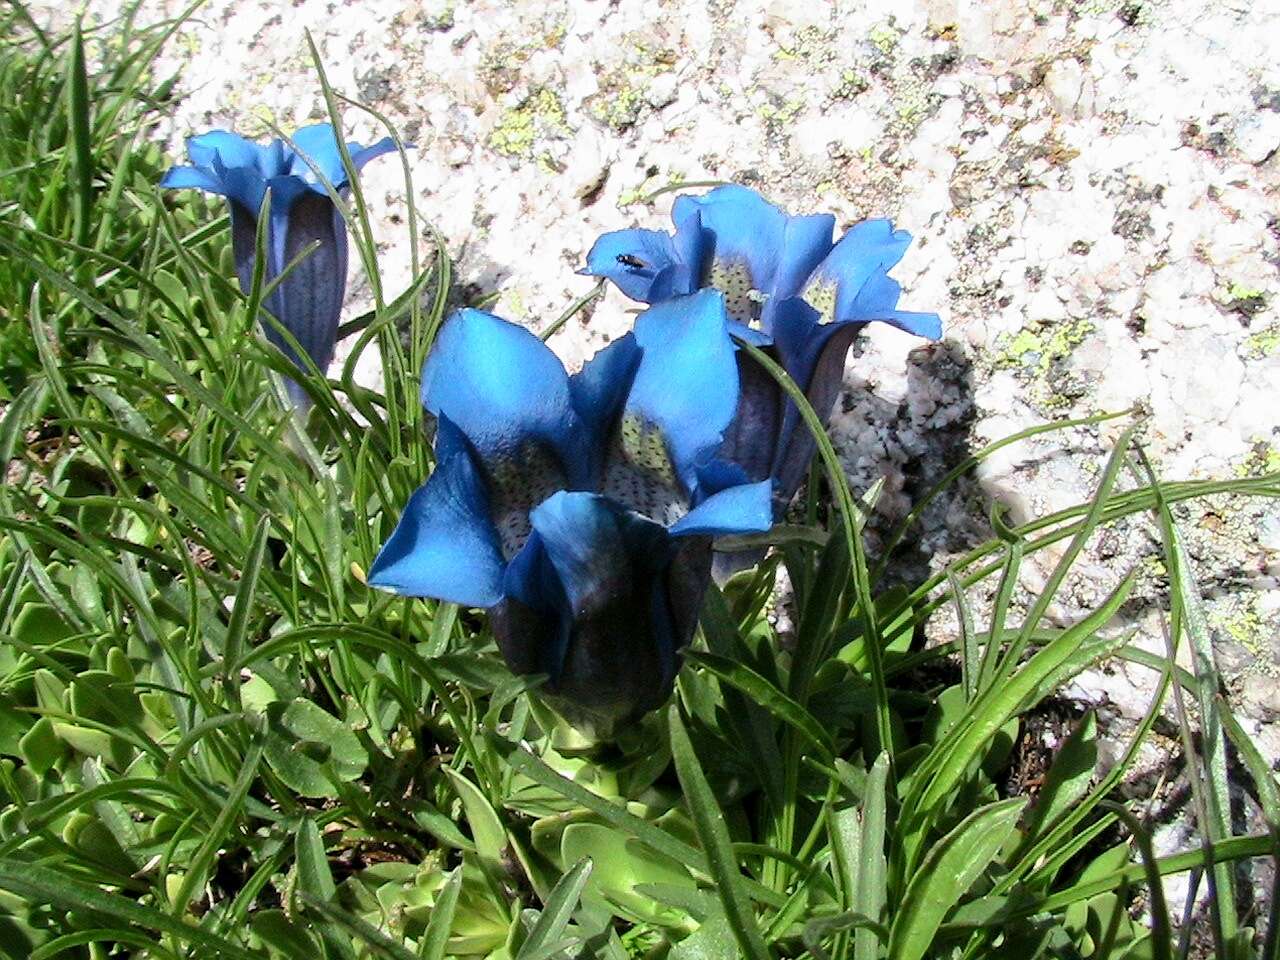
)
(432, 945)
(850, 517)
(968, 464)
(999, 613)
(844, 830)
(379, 944)
(79, 125)
(761, 691)
(1236, 848)
(1209, 784)
(573, 310)
(873, 873)
(40, 884)
(947, 873)
(708, 820)
(1005, 700)
(1068, 777)
(1269, 799)
(1161, 935)
(750, 723)
(107, 936)
(556, 912)
(970, 664)
(200, 862)
(243, 608)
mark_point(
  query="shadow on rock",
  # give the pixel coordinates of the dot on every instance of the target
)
(912, 443)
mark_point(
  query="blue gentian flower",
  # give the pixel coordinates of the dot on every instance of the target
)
(789, 288)
(579, 509)
(309, 301)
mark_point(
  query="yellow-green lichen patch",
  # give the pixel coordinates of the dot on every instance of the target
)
(517, 133)
(1242, 298)
(1244, 623)
(780, 113)
(884, 38)
(1261, 460)
(810, 45)
(624, 86)
(1036, 352)
(1038, 348)
(1263, 343)
(850, 85)
(617, 108)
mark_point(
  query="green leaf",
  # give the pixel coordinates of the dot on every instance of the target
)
(652, 836)
(40, 746)
(946, 874)
(292, 732)
(314, 876)
(870, 899)
(242, 609)
(216, 835)
(39, 625)
(749, 723)
(844, 826)
(713, 940)
(279, 933)
(79, 124)
(713, 833)
(557, 911)
(955, 756)
(378, 942)
(39, 884)
(1069, 776)
(622, 863)
(437, 936)
(487, 831)
(758, 689)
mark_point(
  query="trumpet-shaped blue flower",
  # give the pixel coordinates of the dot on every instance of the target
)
(788, 288)
(579, 509)
(309, 300)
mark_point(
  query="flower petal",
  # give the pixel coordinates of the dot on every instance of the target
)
(244, 239)
(318, 144)
(584, 544)
(814, 355)
(686, 384)
(602, 600)
(180, 177)
(742, 236)
(599, 390)
(806, 242)
(751, 437)
(751, 250)
(362, 155)
(852, 282)
(444, 545)
(232, 151)
(308, 302)
(636, 261)
(747, 508)
(504, 389)
(878, 300)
